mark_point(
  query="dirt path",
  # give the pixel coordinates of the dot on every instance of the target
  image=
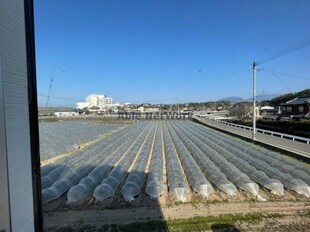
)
(203, 210)
(121, 216)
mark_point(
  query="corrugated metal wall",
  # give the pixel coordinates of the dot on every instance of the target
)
(15, 117)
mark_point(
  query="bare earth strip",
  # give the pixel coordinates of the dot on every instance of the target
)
(199, 210)
(121, 216)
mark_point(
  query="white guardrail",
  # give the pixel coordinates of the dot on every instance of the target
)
(268, 132)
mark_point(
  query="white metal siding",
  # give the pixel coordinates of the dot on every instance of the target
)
(15, 95)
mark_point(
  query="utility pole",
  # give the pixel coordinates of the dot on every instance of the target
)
(254, 68)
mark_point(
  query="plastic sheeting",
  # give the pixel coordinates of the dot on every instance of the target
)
(54, 175)
(280, 165)
(261, 162)
(82, 153)
(134, 181)
(194, 156)
(87, 185)
(154, 187)
(290, 161)
(59, 137)
(259, 176)
(240, 179)
(292, 166)
(68, 163)
(272, 167)
(195, 176)
(78, 172)
(212, 172)
(119, 172)
(176, 180)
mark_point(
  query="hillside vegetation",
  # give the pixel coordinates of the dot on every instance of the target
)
(289, 96)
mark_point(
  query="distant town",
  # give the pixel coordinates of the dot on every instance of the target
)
(289, 106)
(280, 113)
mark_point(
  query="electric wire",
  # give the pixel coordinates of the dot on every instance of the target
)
(287, 50)
(275, 73)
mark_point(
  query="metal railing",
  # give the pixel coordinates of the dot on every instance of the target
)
(268, 132)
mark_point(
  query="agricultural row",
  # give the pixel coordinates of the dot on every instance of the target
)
(60, 137)
(195, 158)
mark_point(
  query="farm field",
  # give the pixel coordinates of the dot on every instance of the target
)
(168, 165)
(63, 136)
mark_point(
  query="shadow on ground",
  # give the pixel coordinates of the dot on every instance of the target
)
(224, 227)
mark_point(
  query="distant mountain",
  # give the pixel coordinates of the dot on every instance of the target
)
(260, 97)
(232, 99)
(264, 97)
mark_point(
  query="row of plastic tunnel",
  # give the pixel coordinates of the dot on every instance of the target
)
(59, 137)
(196, 158)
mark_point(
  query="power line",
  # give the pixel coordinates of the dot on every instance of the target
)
(285, 51)
(275, 73)
(284, 83)
(279, 78)
(289, 49)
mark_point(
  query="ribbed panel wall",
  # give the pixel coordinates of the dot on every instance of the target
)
(13, 69)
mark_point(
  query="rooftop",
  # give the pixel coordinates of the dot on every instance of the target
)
(298, 101)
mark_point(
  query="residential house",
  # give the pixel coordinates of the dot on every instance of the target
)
(269, 110)
(296, 108)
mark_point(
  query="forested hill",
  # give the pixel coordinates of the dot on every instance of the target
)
(289, 96)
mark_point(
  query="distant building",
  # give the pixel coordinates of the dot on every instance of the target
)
(108, 101)
(141, 109)
(95, 99)
(152, 109)
(83, 105)
(128, 106)
(298, 107)
(269, 110)
(96, 103)
(66, 114)
(44, 111)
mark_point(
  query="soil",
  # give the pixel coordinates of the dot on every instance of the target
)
(115, 210)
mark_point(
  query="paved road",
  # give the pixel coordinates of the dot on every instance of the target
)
(295, 147)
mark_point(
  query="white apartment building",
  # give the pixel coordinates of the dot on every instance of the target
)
(96, 100)
(108, 101)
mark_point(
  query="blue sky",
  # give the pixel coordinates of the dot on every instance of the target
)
(157, 51)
